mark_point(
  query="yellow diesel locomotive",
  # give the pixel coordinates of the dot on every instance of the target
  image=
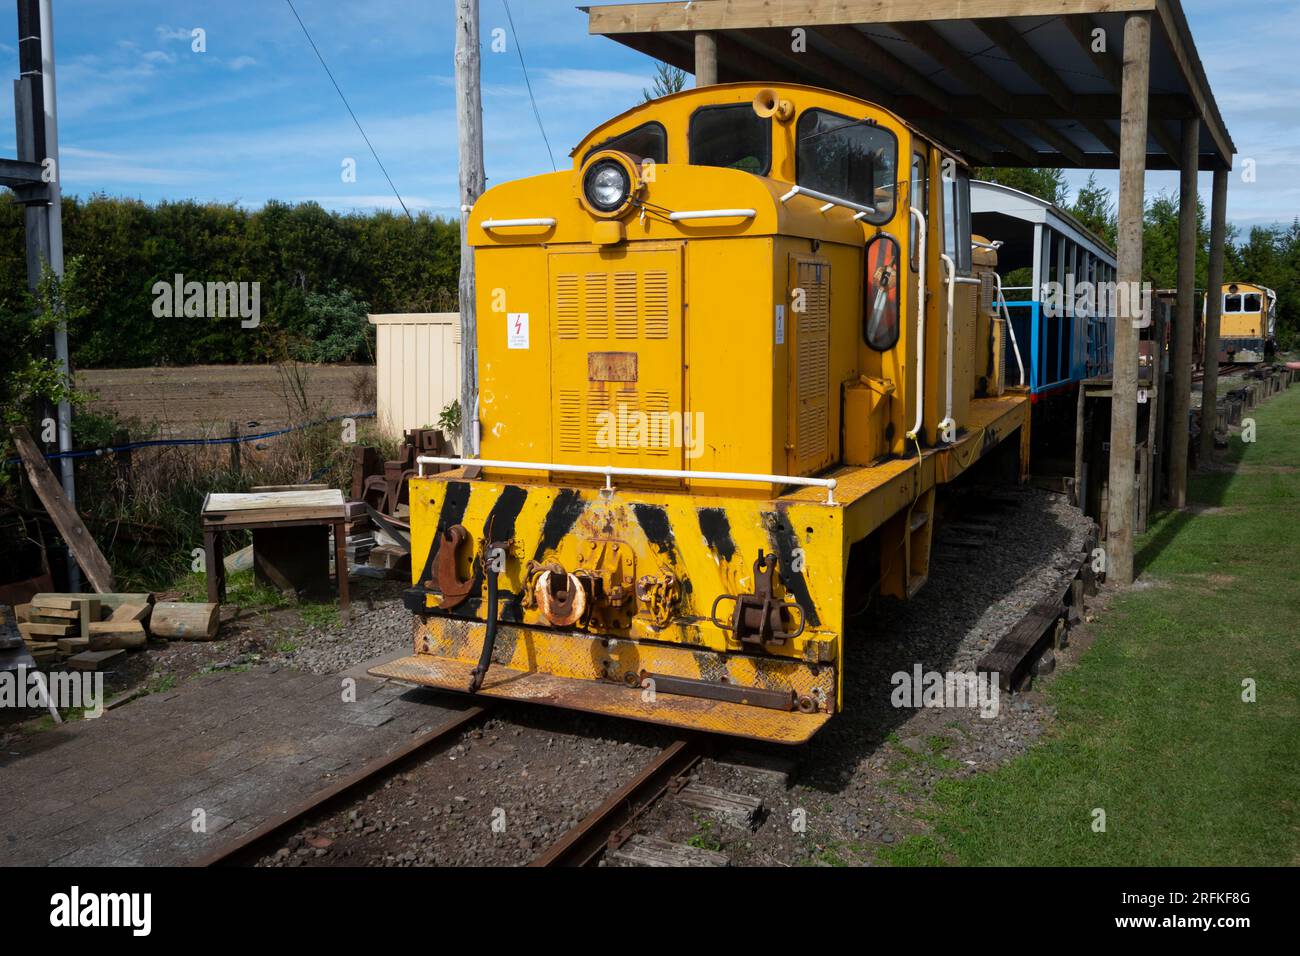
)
(724, 362)
(1247, 322)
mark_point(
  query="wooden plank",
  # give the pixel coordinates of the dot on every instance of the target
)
(93, 660)
(74, 645)
(65, 518)
(47, 630)
(70, 614)
(130, 612)
(739, 810)
(640, 850)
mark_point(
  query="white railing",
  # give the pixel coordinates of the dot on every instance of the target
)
(506, 223)
(1006, 317)
(609, 471)
(829, 201)
(919, 218)
(953, 280)
(712, 214)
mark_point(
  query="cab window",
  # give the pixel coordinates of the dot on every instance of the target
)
(1232, 303)
(920, 198)
(956, 214)
(731, 136)
(849, 159)
(1250, 303)
(647, 141)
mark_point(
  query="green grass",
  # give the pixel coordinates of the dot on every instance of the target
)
(319, 615)
(1151, 726)
(242, 590)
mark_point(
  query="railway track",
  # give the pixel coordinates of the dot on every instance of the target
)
(672, 777)
(255, 843)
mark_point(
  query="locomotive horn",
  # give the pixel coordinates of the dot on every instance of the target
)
(767, 103)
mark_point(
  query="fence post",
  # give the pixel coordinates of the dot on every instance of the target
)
(235, 464)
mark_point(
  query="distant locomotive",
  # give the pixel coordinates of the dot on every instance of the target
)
(1247, 322)
(724, 363)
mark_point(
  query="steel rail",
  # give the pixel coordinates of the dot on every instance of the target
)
(242, 848)
(606, 827)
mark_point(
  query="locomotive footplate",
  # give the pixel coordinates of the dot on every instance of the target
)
(768, 699)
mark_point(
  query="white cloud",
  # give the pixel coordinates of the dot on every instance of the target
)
(239, 62)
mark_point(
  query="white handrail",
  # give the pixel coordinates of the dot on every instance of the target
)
(504, 223)
(712, 214)
(952, 280)
(1006, 315)
(827, 198)
(610, 470)
(919, 217)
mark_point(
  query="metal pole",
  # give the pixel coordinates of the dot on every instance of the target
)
(469, 127)
(1132, 182)
(1213, 305)
(45, 225)
(1181, 347)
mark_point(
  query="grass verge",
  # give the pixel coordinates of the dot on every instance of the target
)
(1152, 726)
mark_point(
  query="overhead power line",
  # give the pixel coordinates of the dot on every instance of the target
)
(520, 50)
(349, 109)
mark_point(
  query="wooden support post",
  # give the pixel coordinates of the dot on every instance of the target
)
(706, 59)
(214, 564)
(1132, 183)
(341, 567)
(469, 127)
(1180, 351)
(1213, 306)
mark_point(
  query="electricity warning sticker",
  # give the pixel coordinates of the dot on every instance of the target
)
(780, 325)
(517, 330)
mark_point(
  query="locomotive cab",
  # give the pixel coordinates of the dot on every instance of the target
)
(723, 363)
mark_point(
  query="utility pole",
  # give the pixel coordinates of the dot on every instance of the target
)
(36, 117)
(469, 128)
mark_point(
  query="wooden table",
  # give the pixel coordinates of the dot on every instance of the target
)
(268, 510)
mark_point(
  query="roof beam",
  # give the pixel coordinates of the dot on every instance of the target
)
(1010, 41)
(1055, 139)
(758, 14)
(818, 71)
(877, 59)
(928, 41)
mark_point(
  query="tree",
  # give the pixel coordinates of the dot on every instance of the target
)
(667, 79)
(1094, 207)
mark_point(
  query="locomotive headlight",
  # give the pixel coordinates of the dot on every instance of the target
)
(608, 183)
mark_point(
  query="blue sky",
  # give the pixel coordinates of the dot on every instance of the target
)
(255, 118)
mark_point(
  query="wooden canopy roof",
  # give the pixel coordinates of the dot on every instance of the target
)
(1006, 82)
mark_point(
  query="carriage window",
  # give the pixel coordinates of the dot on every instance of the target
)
(1232, 303)
(956, 215)
(647, 141)
(849, 159)
(733, 137)
(1250, 303)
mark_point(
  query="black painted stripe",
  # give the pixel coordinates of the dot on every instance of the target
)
(780, 533)
(500, 524)
(454, 503)
(564, 512)
(658, 529)
(716, 528)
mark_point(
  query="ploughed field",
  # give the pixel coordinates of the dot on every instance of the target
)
(190, 400)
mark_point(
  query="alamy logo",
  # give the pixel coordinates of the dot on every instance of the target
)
(134, 910)
(1125, 300)
(75, 689)
(211, 300)
(632, 428)
(952, 689)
